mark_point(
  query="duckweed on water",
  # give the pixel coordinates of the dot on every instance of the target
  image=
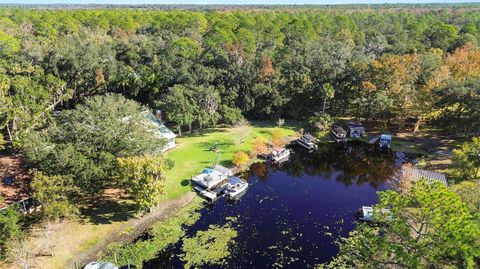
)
(162, 235)
(208, 247)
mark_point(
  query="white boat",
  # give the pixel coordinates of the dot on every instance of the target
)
(98, 265)
(307, 141)
(279, 155)
(235, 188)
(338, 134)
(385, 142)
(356, 129)
(366, 213)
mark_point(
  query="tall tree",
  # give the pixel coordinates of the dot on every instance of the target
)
(144, 178)
(429, 227)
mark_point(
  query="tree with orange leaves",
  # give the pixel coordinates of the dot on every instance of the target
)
(277, 139)
(258, 146)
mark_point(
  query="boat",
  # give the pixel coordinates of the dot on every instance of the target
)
(356, 129)
(307, 141)
(279, 155)
(366, 214)
(338, 134)
(100, 265)
(235, 188)
(385, 142)
(211, 182)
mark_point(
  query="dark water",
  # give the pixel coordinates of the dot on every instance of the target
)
(292, 214)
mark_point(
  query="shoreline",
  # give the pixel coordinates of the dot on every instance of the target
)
(136, 227)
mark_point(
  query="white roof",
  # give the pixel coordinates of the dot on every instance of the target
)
(211, 179)
(162, 130)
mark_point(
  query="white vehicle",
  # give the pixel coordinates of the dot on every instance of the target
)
(98, 265)
(236, 187)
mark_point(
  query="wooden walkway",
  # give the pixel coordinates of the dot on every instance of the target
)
(374, 140)
(418, 174)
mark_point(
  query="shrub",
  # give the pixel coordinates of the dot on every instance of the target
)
(240, 159)
(320, 123)
(55, 194)
(277, 139)
(466, 160)
(258, 146)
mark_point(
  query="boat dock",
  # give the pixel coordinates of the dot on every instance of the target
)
(212, 183)
(374, 140)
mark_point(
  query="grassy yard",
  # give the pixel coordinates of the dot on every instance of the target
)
(193, 152)
(101, 218)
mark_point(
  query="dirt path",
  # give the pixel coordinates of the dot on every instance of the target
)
(137, 225)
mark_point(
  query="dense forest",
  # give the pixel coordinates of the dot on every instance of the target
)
(76, 80)
(203, 68)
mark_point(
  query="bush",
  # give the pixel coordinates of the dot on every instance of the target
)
(466, 160)
(10, 228)
(258, 146)
(55, 194)
(277, 138)
(240, 159)
(320, 123)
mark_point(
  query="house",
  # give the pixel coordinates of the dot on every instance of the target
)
(161, 130)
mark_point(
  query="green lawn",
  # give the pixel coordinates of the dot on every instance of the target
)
(192, 153)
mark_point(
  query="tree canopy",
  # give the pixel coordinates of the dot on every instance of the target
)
(428, 227)
(202, 68)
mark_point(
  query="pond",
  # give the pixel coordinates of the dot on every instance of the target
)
(293, 213)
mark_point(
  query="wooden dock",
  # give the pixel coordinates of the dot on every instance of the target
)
(416, 174)
(374, 140)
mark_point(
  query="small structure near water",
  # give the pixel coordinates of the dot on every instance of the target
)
(307, 141)
(212, 183)
(279, 155)
(161, 130)
(338, 134)
(98, 265)
(416, 174)
(366, 213)
(356, 129)
(235, 188)
(384, 141)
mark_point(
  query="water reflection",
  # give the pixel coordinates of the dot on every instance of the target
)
(354, 163)
(292, 214)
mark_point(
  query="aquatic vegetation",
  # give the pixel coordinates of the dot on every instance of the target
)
(162, 235)
(208, 247)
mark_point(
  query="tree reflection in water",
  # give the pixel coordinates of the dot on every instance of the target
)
(354, 163)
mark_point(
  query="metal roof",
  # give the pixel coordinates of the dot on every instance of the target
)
(309, 137)
(386, 136)
(418, 174)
